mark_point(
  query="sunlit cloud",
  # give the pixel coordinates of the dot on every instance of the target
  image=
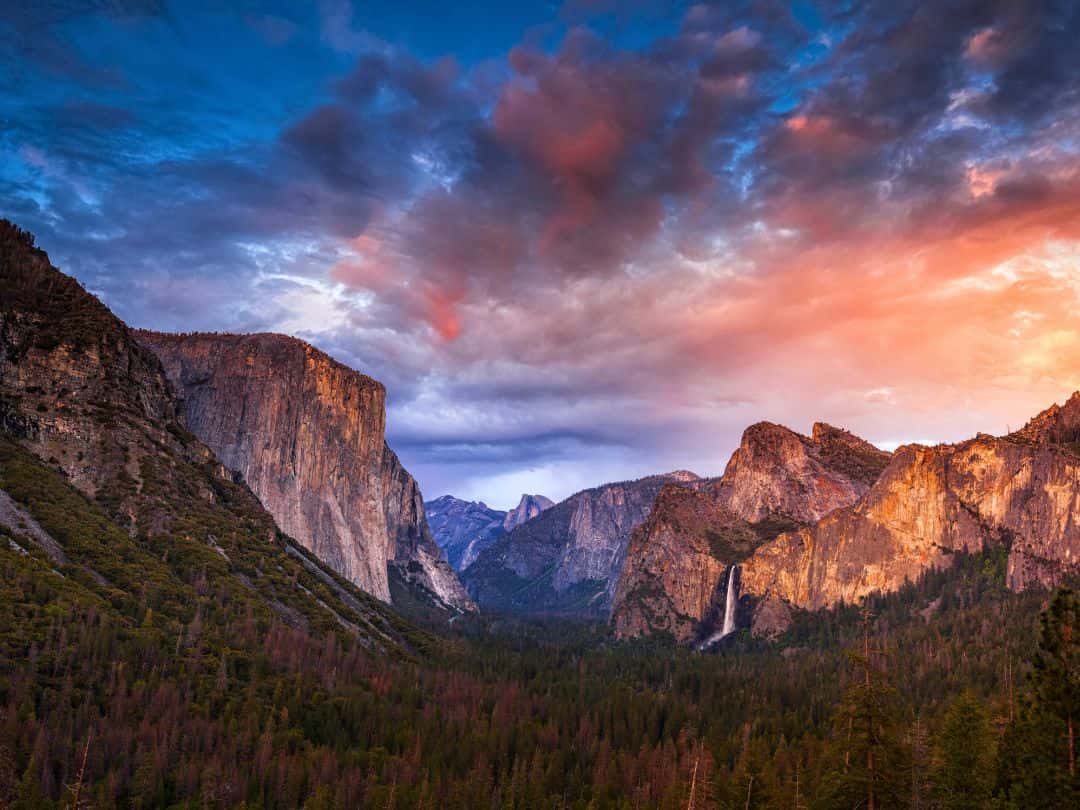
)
(580, 258)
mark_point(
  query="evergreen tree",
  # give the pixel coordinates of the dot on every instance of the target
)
(919, 747)
(869, 772)
(1056, 678)
(1038, 763)
(964, 756)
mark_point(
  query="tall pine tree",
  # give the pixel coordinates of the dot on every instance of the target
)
(1038, 763)
(869, 770)
(964, 756)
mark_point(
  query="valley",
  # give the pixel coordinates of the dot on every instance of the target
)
(222, 587)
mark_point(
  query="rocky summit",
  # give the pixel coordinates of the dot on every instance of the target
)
(528, 507)
(567, 559)
(306, 433)
(1020, 491)
(674, 579)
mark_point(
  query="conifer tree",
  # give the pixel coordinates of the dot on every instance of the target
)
(964, 756)
(1056, 677)
(1037, 767)
(870, 771)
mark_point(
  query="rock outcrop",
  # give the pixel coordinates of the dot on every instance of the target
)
(462, 529)
(778, 472)
(307, 435)
(528, 507)
(79, 391)
(567, 559)
(1021, 491)
(673, 580)
(92, 440)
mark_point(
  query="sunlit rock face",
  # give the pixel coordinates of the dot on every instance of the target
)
(1021, 491)
(675, 563)
(307, 435)
(776, 480)
(776, 471)
(568, 558)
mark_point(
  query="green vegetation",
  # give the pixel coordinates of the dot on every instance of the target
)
(732, 544)
(187, 688)
(862, 463)
(773, 525)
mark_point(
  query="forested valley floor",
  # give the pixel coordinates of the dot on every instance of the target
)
(952, 693)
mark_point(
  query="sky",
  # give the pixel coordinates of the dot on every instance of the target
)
(585, 241)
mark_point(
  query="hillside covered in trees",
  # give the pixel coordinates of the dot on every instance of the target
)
(164, 645)
(946, 694)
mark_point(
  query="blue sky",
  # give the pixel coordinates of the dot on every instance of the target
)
(585, 241)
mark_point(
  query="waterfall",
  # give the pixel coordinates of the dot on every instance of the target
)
(731, 604)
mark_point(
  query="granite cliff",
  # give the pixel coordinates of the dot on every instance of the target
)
(1021, 491)
(568, 558)
(674, 576)
(528, 507)
(810, 522)
(306, 433)
(92, 439)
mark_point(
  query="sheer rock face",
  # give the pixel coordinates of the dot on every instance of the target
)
(528, 507)
(675, 564)
(462, 529)
(776, 471)
(1022, 491)
(307, 435)
(81, 395)
(776, 480)
(568, 558)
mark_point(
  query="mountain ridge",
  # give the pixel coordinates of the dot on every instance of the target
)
(566, 560)
(1020, 491)
(123, 498)
(776, 479)
(308, 435)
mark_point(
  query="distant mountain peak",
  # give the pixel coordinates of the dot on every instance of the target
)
(528, 507)
(683, 475)
(567, 558)
(462, 529)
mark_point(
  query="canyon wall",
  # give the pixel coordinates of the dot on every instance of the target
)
(307, 435)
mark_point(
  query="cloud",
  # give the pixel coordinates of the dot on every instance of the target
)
(585, 260)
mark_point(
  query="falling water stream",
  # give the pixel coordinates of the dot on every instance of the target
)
(731, 605)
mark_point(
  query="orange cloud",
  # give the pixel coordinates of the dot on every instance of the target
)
(985, 46)
(442, 313)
